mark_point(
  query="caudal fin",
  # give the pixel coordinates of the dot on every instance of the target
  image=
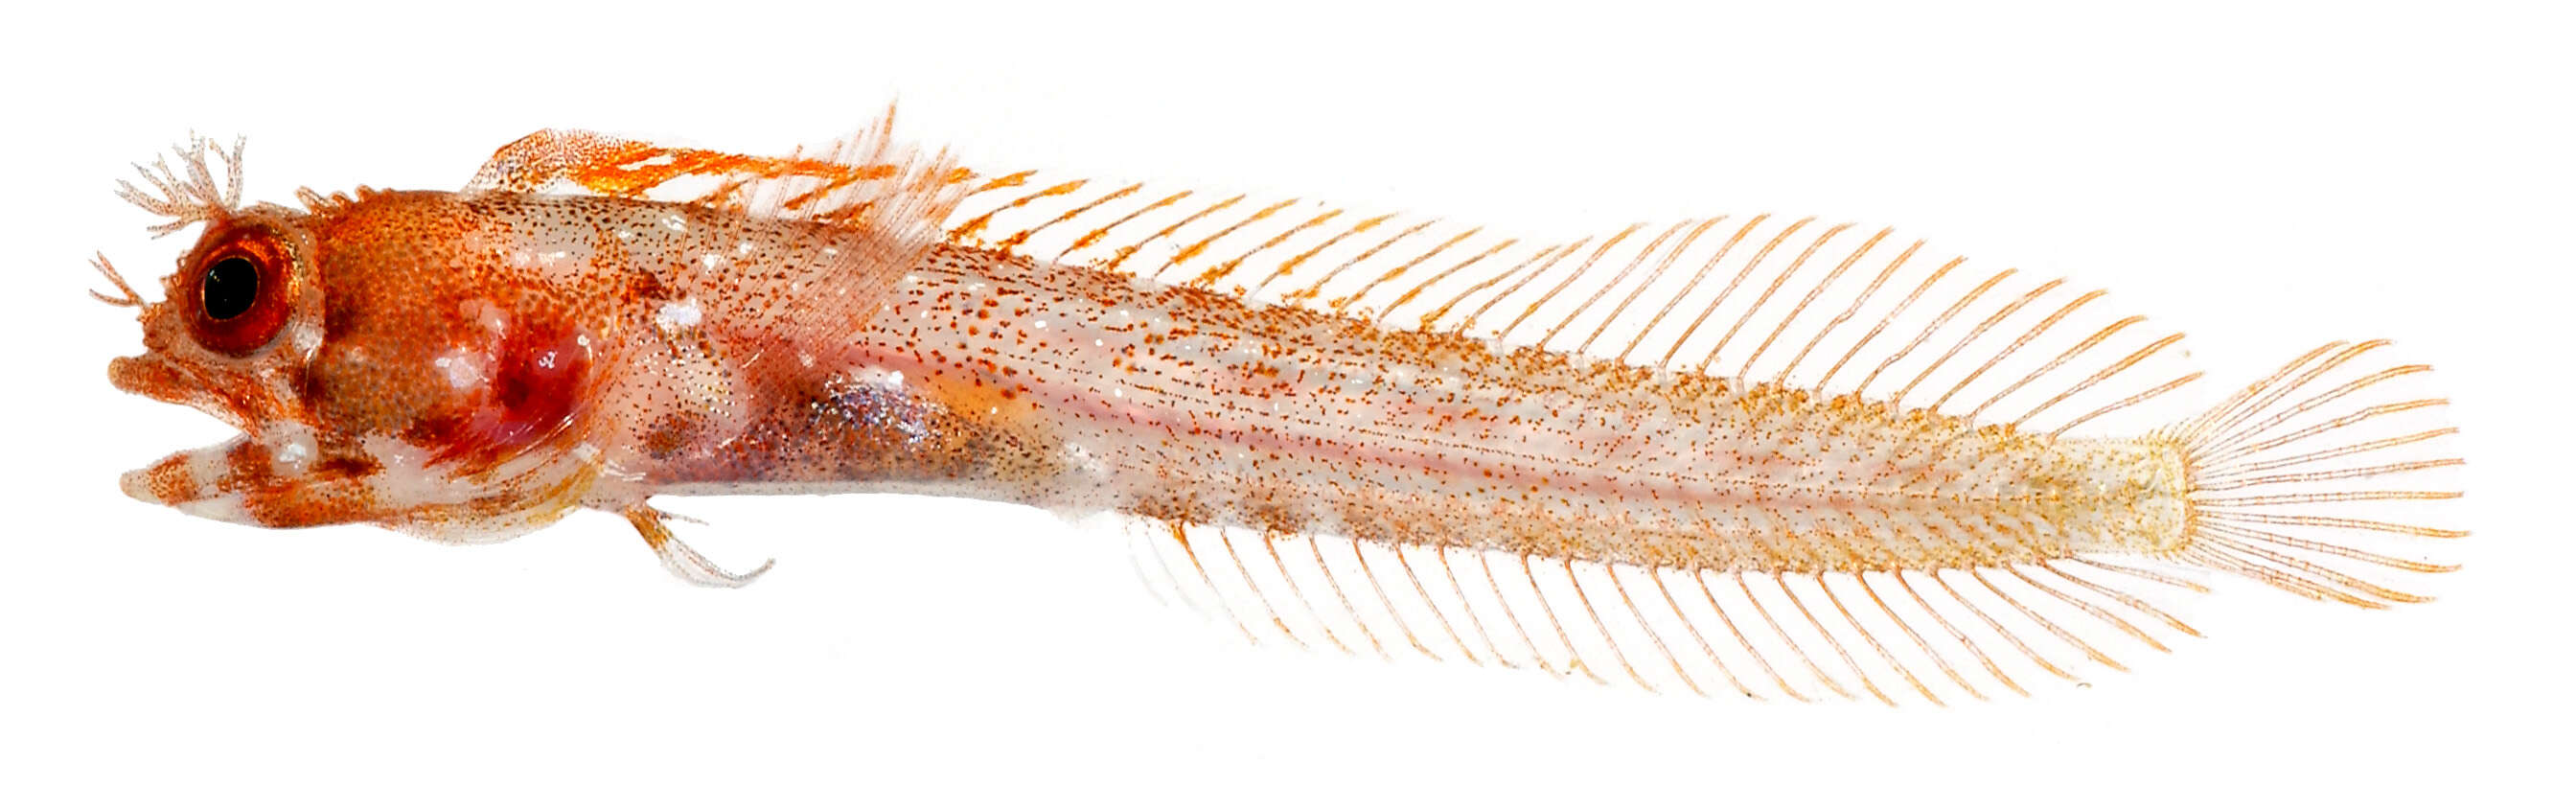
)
(2325, 479)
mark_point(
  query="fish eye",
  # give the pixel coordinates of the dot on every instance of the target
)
(241, 291)
(229, 288)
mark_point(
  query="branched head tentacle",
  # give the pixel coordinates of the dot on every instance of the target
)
(125, 292)
(188, 194)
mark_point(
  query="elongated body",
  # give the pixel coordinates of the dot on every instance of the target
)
(1743, 398)
(1079, 390)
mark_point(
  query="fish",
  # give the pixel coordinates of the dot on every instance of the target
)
(1787, 458)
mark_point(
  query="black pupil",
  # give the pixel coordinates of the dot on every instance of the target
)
(231, 285)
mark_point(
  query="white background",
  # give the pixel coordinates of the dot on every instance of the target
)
(2264, 177)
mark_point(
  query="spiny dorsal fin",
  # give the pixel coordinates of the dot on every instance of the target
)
(897, 194)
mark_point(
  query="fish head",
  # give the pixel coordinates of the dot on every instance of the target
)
(377, 372)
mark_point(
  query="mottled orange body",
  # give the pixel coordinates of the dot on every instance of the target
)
(570, 331)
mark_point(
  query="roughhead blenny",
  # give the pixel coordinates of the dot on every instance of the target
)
(1754, 454)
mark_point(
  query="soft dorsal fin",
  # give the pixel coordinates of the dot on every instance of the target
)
(1829, 308)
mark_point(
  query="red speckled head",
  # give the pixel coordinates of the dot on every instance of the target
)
(383, 358)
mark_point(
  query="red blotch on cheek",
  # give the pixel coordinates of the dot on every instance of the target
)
(535, 382)
(538, 384)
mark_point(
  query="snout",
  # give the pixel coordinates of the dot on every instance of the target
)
(143, 375)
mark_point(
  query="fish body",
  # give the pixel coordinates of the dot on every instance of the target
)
(565, 333)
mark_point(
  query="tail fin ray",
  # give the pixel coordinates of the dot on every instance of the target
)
(2291, 494)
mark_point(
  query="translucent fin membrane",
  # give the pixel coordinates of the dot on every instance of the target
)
(2325, 479)
(870, 182)
(1829, 309)
(1927, 637)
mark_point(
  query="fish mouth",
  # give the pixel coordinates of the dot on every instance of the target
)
(192, 481)
(169, 481)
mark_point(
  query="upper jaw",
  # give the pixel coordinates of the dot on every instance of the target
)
(150, 375)
(154, 377)
(141, 375)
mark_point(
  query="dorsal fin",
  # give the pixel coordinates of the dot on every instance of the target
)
(1945, 340)
(897, 197)
(1761, 298)
(899, 193)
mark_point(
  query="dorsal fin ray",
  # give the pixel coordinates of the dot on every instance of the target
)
(1674, 347)
(1839, 268)
(1777, 280)
(1987, 342)
(1612, 284)
(1660, 268)
(902, 196)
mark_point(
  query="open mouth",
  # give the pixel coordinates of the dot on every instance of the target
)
(194, 481)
